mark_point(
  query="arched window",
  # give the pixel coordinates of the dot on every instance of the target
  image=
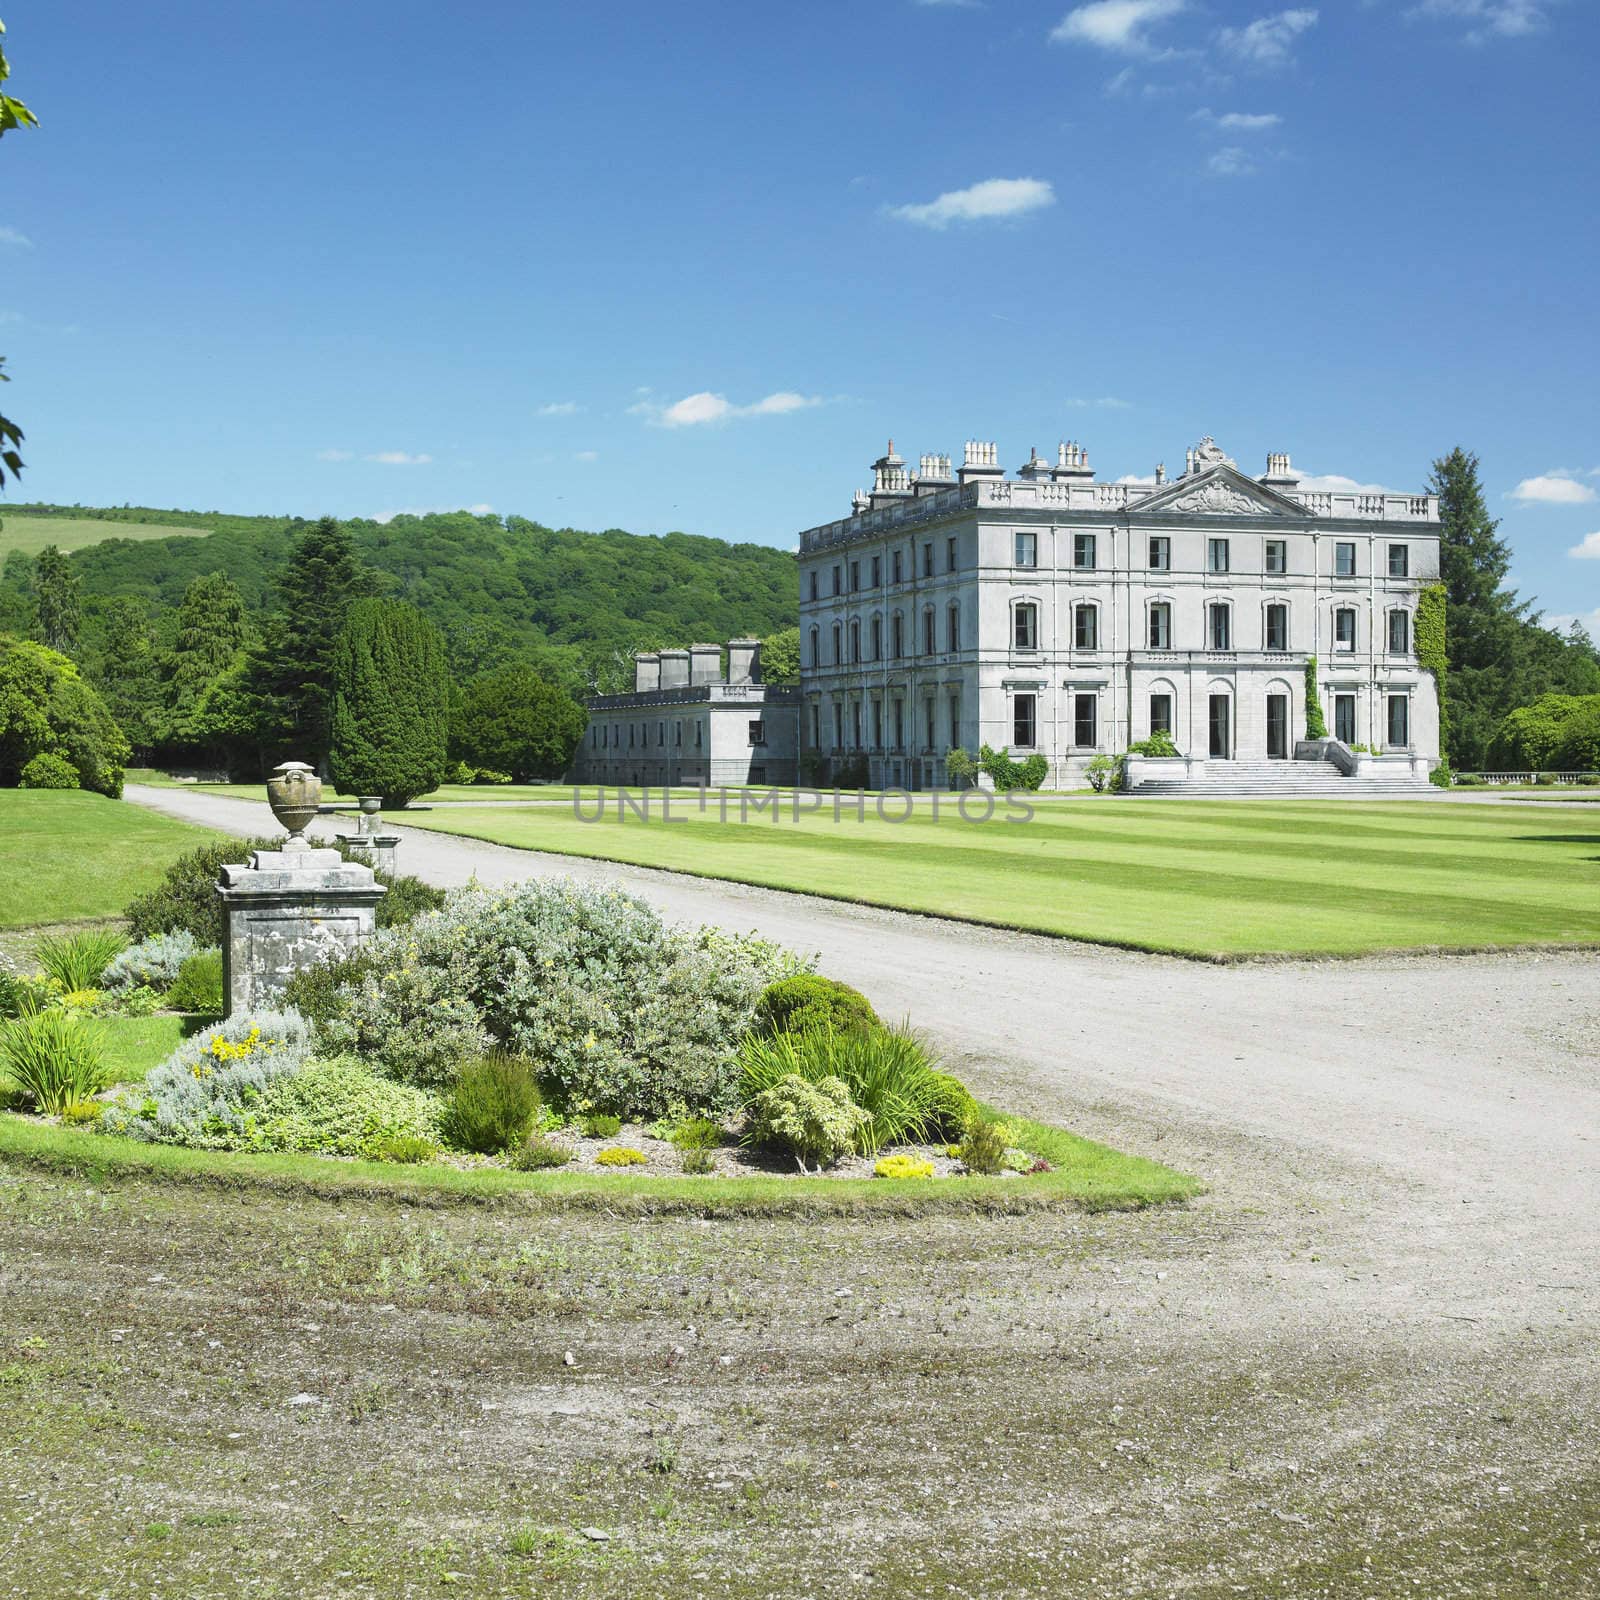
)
(1277, 626)
(953, 621)
(1161, 625)
(855, 641)
(1086, 626)
(930, 643)
(1219, 625)
(897, 635)
(816, 646)
(877, 638)
(1025, 625)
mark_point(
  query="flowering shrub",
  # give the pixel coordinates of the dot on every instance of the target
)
(619, 1155)
(615, 1009)
(903, 1166)
(208, 1092)
(153, 962)
(813, 1121)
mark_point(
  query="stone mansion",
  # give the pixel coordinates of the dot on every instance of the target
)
(1052, 612)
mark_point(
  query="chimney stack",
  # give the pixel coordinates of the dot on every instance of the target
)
(674, 669)
(646, 671)
(705, 663)
(982, 460)
(744, 661)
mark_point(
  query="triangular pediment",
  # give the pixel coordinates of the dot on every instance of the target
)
(1219, 491)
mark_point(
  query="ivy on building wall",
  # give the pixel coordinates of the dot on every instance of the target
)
(1432, 656)
(1316, 727)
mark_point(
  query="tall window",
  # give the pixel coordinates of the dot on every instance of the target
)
(816, 727)
(899, 724)
(855, 641)
(813, 583)
(1219, 625)
(877, 638)
(1160, 554)
(1277, 556)
(838, 644)
(1025, 550)
(877, 571)
(855, 576)
(1344, 629)
(855, 723)
(816, 646)
(928, 719)
(1023, 724)
(1344, 559)
(927, 561)
(1083, 721)
(1344, 718)
(1399, 633)
(894, 562)
(897, 635)
(1161, 626)
(1083, 549)
(953, 625)
(950, 555)
(1400, 720)
(1086, 627)
(1161, 713)
(838, 579)
(1025, 626)
(1277, 627)
(955, 721)
(930, 644)
(1399, 561)
(877, 724)
(1216, 555)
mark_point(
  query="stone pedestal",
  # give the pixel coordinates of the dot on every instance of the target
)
(377, 849)
(286, 910)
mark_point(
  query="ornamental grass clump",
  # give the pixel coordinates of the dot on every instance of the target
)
(55, 1058)
(208, 1092)
(815, 1121)
(493, 1104)
(77, 961)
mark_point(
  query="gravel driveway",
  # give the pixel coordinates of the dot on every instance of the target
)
(1404, 1154)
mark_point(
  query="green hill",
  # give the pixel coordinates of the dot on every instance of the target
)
(496, 586)
(30, 534)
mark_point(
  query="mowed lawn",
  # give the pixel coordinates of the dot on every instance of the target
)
(30, 535)
(70, 856)
(1207, 878)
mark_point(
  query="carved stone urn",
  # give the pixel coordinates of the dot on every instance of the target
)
(294, 791)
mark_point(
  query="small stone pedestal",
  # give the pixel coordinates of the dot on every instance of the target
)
(370, 841)
(286, 910)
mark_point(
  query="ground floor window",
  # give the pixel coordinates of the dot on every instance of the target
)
(955, 722)
(1400, 720)
(1084, 733)
(1023, 723)
(877, 723)
(899, 724)
(816, 729)
(1161, 713)
(1278, 727)
(932, 731)
(1344, 718)
(855, 723)
(1221, 727)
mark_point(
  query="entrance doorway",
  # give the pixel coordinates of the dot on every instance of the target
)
(1221, 727)
(1277, 727)
(1344, 718)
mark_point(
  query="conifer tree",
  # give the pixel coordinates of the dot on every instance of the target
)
(515, 721)
(126, 671)
(391, 698)
(208, 634)
(57, 616)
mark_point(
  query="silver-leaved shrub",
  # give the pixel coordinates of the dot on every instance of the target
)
(152, 963)
(208, 1092)
(622, 1012)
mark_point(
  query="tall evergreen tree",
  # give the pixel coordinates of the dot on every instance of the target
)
(57, 617)
(125, 668)
(391, 702)
(514, 720)
(291, 672)
(208, 633)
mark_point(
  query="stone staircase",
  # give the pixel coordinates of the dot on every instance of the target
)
(1285, 780)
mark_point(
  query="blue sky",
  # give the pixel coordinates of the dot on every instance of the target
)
(658, 266)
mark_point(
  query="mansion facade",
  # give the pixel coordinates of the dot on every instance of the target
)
(1050, 612)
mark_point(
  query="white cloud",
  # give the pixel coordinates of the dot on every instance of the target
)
(15, 239)
(983, 202)
(1115, 24)
(398, 458)
(1506, 19)
(1587, 549)
(1104, 403)
(1333, 483)
(480, 510)
(336, 455)
(1589, 621)
(1240, 121)
(1232, 162)
(951, 5)
(1552, 489)
(559, 408)
(587, 455)
(694, 410)
(1268, 41)
(1135, 481)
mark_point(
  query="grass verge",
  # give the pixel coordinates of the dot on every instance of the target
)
(1088, 1177)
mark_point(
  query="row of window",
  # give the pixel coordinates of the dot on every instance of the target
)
(1219, 627)
(1086, 558)
(868, 717)
(608, 736)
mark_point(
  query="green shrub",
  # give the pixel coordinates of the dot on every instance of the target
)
(47, 707)
(153, 963)
(404, 1149)
(1104, 774)
(1009, 774)
(407, 899)
(618, 1010)
(317, 992)
(54, 1058)
(139, 1001)
(697, 1133)
(887, 1072)
(1441, 776)
(952, 1109)
(47, 770)
(794, 1005)
(902, 1166)
(186, 898)
(1544, 779)
(537, 1152)
(340, 1107)
(698, 1162)
(983, 1150)
(79, 1113)
(601, 1125)
(490, 775)
(1466, 780)
(1589, 779)
(961, 767)
(814, 1120)
(78, 960)
(1160, 743)
(10, 979)
(198, 986)
(1316, 723)
(493, 1104)
(620, 1155)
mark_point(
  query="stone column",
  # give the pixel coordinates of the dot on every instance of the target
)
(286, 910)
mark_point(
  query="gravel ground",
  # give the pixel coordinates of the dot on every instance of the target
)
(1365, 1364)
